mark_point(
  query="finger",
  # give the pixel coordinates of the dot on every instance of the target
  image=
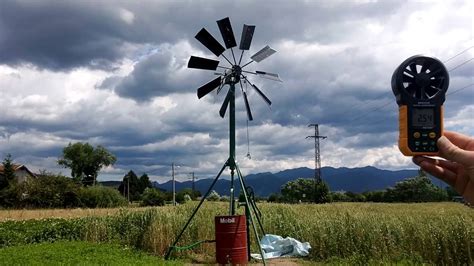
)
(453, 153)
(460, 140)
(429, 165)
(452, 166)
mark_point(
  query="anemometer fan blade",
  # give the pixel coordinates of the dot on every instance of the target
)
(206, 88)
(262, 54)
(247, 35)
(225, 104)
(247, 106)
(263, 95)
(204, 37)
(202, 63)
(226, 31)
(267, 75)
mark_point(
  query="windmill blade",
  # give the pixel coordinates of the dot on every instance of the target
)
(225, 104)
(204, 37)
(226, 31)
(221, 85)
(202, 63)
(267, 75)
(208, 87)
(265, 98)
(262, 54)
(247, 106)
(247, 35)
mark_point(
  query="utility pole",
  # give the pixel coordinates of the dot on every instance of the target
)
(192, 173)
(174, 188)
(317, 157)
(128, 188)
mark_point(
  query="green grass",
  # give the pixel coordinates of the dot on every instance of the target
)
(352, 233)
(77, 253)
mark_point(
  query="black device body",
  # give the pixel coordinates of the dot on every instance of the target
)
(419, 85)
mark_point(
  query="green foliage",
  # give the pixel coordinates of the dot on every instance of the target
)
(37, 231)
(130, 186)
(213, 196)
(8, 175)
(50, 191)
(224, 198)
(101, 197)
(339, 196)
(274, 198)
(85, 161)
(417, 189)
(144, 183)
(10, 196)
(374, 196)
(189, 191)
(305, 190)
(78, 253)
(153, 197)
(321, 194)
(353, 233)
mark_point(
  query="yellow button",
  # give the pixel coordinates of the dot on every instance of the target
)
(416, 135)
(432, 135)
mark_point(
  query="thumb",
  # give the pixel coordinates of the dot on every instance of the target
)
(453, 153)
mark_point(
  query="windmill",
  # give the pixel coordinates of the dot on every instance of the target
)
(232, 73)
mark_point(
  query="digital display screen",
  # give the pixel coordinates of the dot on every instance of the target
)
(423, 117)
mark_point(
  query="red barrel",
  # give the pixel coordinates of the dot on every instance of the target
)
(231, 239)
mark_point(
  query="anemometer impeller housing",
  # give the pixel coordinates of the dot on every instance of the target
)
(419, 85)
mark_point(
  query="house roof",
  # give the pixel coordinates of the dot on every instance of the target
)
(17, 167)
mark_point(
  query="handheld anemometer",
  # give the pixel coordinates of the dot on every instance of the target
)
(420, 84)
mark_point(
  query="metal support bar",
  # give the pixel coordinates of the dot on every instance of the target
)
(170, 249)
(257, 238)
(254, 207)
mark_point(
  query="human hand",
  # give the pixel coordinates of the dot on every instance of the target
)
(458, 168)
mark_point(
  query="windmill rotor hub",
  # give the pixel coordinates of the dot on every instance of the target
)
(234, 76)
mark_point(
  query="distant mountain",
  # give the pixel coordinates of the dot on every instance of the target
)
(355, 180)
(112, 184)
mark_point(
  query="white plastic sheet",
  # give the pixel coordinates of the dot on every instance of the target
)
(275, 246)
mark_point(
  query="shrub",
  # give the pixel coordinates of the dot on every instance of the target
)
(50, 191)
(100, 196)
(225, 198)
(187, 198)
(153, 197)
(213, 196)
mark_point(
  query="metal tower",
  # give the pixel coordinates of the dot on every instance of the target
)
(317, 157)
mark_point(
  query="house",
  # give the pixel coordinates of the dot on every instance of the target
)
(22, 173)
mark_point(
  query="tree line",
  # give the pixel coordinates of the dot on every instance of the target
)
(415, 189)
(85, 162)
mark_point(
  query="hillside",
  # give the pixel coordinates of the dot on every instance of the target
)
(356, 180)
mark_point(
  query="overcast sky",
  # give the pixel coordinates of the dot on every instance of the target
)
(114, 73)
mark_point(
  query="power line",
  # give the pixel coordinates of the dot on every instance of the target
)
(458, 54)
(463, 63)
(458, 90)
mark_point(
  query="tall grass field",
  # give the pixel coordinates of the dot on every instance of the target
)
(436, 233)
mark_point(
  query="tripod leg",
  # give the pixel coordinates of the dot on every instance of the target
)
(251, 215)
(195, 211)
(253, 205)
(232, 200)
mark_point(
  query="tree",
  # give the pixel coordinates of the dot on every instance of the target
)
(143, 183)
(213, 196)
(130, 186)
(305, 190)
(417, 189)
(8, 172)
(153, 197)
(85, 161)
